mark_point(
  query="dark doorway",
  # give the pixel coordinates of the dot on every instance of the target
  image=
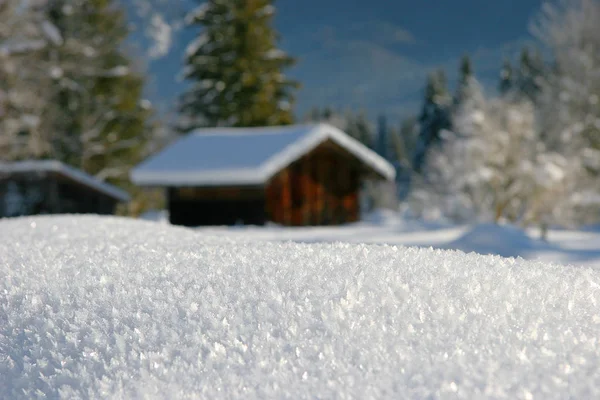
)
(217, 212)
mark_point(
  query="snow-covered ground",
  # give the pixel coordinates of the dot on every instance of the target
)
(102, 307)
(385, 227)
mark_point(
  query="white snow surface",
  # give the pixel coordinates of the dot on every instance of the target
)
(564, 246)
(103, 307)
(221, 156)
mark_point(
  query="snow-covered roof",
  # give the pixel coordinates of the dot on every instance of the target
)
(245, 156)
(65, 170)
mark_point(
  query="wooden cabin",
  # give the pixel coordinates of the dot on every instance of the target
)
(51, 187)
(295, 176)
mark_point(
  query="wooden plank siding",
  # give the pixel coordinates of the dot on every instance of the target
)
(321, 188)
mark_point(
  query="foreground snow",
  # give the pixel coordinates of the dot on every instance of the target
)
(114, 308)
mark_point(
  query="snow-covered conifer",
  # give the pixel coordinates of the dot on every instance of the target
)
(569, 104)
(234, 67)
(434, 117)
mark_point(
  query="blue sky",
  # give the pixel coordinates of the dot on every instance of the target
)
(374, 55)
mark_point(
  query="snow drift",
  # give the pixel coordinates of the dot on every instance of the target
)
(503, 240)
(113, 308)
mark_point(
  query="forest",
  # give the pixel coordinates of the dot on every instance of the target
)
(72, 88)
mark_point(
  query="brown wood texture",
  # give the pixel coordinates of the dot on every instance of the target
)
(321, 188)
(211, 193)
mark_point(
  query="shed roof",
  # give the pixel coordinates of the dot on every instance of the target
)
(65, 170)
(245, 156)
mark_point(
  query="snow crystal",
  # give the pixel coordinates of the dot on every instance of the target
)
(95, 307)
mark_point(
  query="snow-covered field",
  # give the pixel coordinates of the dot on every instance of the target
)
(385, 227)
(95, 307)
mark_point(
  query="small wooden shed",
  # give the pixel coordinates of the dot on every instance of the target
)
(51, 187)
(293, 175)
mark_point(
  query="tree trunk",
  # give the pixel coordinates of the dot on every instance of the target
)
(544, 231)
(500, 207)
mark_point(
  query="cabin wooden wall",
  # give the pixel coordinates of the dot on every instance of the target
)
(319, 189)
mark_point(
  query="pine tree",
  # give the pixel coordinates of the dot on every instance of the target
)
(328, 116)
(490, 171)
(568, 106)
(434, 117)
(383, 140)
(469, 93)
(529, 73)
(314, 115)
(464, 80)
(98, 113)
(235, 68)
(23, 84)
(358, 127)
(506, 84)
(469, 98)
(327, 113)
(407, 138)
